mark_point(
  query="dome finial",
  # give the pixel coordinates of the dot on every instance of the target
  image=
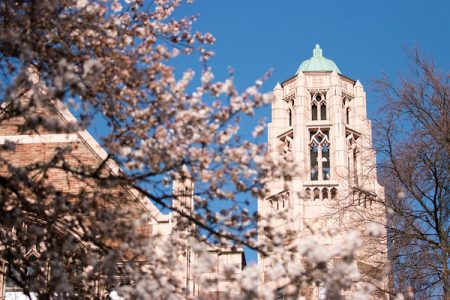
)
(317, 52)
(317, 63)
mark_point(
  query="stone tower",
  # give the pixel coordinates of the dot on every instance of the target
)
(319, 121)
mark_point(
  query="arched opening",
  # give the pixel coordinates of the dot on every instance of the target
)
(323, 111)
(333, 193)
(307, 194)
(314, 112)
(325, 194)
(316, 194)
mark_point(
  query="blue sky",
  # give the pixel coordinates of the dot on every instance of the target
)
(364, 38)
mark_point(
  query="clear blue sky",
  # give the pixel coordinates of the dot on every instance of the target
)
(364, 38)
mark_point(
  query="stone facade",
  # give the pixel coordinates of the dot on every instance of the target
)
(319, 122)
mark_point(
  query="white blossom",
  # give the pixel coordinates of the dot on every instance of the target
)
(82, 3)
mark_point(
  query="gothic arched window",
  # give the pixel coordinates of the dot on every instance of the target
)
(318, 106)
(323, 112)
(314, 112)
(319, 155)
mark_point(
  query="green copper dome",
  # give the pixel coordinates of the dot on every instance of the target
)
(318, 63)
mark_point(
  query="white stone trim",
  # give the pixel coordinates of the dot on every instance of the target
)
(40, 139)
(85, 137)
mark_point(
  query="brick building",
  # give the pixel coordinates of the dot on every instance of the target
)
(72, 200)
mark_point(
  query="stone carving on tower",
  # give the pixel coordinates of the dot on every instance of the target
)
(319, 122)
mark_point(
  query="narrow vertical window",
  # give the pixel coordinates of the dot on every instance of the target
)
(314, 163)
(326, 162)
(285, 199)
(323, 111)
(347, 116)
(290, 117)
(353, 159)
(349, 165)
(314, 112)
(355, 166)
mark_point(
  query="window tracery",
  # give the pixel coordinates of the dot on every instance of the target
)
(318, 107)
(320, 155)
(23, 274)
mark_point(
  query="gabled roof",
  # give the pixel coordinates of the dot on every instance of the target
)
(86, 138)
(76, 135)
